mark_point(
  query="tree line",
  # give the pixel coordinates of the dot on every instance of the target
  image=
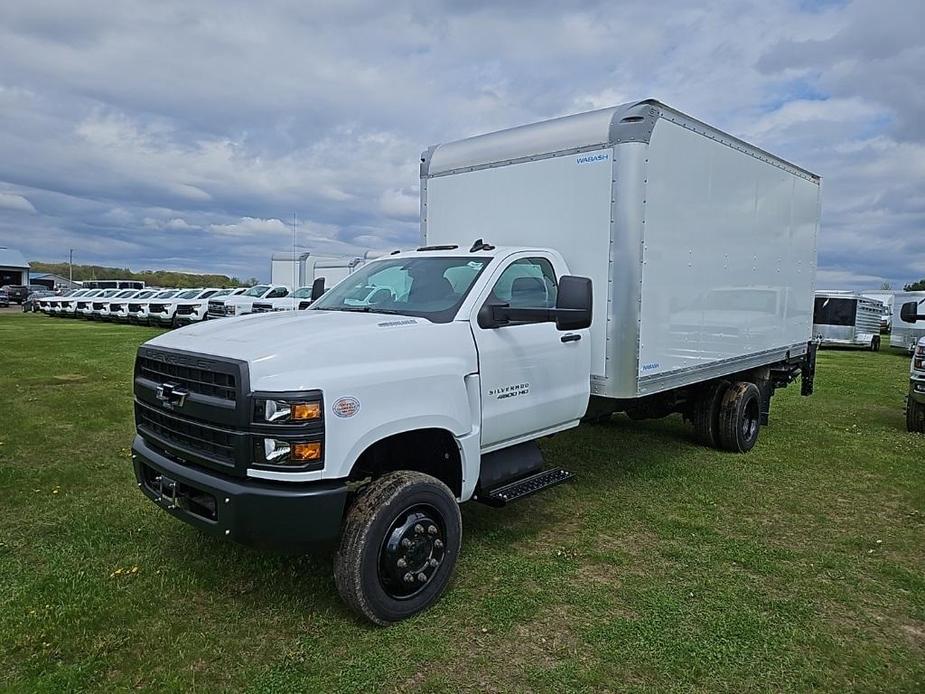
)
(154, 278)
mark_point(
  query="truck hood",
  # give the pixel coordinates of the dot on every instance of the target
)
(305, 349)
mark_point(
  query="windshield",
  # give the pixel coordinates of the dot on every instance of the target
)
(431, 288)
(144, 295)
(125, 295)
(166, 295)
(302, 293)
(191, 294)
(109, 292)
(257, 291)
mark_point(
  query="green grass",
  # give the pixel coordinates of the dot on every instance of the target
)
(663, 567)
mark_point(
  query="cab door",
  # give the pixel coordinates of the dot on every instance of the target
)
(533, 377)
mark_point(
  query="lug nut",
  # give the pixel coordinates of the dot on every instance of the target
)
(422, 578)
(419, 529)
(438, 544)
(432, 529)
(433, 562)
(409, 578)
(406, 542)
(401, 563)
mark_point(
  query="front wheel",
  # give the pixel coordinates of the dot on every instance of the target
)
(875, 344)
(915, 417)
(399, 547)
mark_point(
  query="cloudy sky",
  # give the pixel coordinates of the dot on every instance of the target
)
(187, 135)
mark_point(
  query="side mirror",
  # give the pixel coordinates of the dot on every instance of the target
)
(317, 288)
(574, 303)
(910, 312)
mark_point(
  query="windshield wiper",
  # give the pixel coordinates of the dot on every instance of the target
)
(359, 309)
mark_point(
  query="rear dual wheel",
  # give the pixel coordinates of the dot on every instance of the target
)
(740, 417)
(399, 547)
(727, 416)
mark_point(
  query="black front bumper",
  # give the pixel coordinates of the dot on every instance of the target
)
(289, 517)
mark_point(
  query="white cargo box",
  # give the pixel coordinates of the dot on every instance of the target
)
(701, 247)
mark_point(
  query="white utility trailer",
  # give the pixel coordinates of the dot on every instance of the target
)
(847, 319)
(701, 247)
(905, 336)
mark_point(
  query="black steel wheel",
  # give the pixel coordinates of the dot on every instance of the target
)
(399, 546)
(740, 417)
(915, 417)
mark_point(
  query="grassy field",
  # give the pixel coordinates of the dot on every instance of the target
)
(663, 567)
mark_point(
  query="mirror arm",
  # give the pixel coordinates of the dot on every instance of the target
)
(503, 314)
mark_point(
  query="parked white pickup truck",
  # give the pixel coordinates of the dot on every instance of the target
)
(163, 312)
(915, 404)
(118, 308)
(196, 310)
(424, 379)
(299, 300)
(51, 305)
(101, 306)
(75, 305)
(242, 304)
(138, 308)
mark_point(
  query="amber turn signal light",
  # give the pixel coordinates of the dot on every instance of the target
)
(305, 411)
(304, 452)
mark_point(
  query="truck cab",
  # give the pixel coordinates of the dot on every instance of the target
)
(262, 430)
(242, 304)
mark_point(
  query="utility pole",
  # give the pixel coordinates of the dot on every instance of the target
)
(70, 267)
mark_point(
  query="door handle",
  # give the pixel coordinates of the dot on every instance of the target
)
(570, 338)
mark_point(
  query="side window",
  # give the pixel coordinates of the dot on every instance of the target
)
(278, 293)
(527, 283)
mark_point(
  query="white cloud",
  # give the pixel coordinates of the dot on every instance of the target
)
(15, 203)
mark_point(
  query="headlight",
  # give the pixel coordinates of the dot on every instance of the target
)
(277, 452)
(280, 411)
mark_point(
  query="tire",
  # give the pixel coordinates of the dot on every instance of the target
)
(915, 417)
(875, 344)
(740, 418)
(705, 415)
(403, 516)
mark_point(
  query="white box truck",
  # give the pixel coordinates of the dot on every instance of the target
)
(631, 259)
